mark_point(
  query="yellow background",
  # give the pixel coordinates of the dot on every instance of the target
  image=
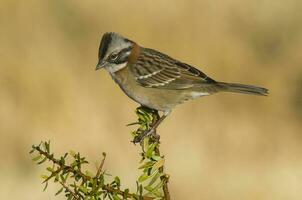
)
(227, 146)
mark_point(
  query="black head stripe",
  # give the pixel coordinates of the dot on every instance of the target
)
(106, 40)
(123, 55)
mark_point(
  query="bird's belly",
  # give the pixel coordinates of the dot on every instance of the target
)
(159, 99)
(153, 98)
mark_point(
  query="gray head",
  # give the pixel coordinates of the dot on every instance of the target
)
(114, 52)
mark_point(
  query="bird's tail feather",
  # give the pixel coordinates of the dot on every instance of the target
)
(241, 88)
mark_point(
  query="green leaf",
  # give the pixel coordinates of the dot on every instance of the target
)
(159, 185)
(154, 178)
(143, 177)
(147, 165)
(159, 164)
(146, 143)
(45, 186)
(64, 177)
(115, 197)
(133, 133)
(150, 150)
(38, 157)
(156, 157)
(46, 146)
(72, 153)
(57, 177)
(117, 181)
(59, 191)
(88, 173)
(126, 192)
(83, 189)
(33, 150)
(157, 194)
(44, 176)
(148, 188)
(140, 189)
(110, 196)
(42, 161)
(50, 169)
(133, 123)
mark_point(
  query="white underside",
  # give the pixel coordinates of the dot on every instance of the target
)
(198, 94)
(116, 68)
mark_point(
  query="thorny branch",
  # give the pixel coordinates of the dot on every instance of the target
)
(85, 177)
(152, 184)
(164, 178)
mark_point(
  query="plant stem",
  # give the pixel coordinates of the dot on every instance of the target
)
(165, 178)
(85, 177)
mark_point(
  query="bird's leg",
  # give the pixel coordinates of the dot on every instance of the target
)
(152, 130)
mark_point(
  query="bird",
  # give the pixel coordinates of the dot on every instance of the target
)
(156, 80)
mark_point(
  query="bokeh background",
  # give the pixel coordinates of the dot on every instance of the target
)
(227, 146)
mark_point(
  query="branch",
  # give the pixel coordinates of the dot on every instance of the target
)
(165, 180)
(62, 167)
(152, 184)
(70, 191)
(150, 152)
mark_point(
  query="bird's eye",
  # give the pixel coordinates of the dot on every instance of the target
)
(113, 56)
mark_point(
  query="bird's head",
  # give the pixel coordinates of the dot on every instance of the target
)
(114, 51)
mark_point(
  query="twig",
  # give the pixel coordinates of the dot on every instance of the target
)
(87, 178)
(165, 179)
(100, 169)
(122, 193)
(70, 191)
(152, 183)
(156, 138)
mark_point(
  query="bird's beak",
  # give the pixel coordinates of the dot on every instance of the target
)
(100, 65)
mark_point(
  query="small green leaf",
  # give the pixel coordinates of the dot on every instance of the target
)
(64, 177)
(57, 177)
(156, 157)
(147, 165)
(146, 143)
(88, 173)
(45, 186)
(31, 151)
(148, 188)
(126, 192)
(154, 178)
(83, 189)
(157, 194)
(37, 158)
(42, 161)
(142, 178)
(46, 146)
(150, 150)
(140, 189)
(69, 197)
(49, 169)
(72, 153)
(115, 197)
(133, 123)
(159, 164)
(59, 191)
(117, 181)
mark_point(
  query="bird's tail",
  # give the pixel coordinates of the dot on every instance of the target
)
(241, 88)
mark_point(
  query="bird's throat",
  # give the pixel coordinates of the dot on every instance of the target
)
(116, 68)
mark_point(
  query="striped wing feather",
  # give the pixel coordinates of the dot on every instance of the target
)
(156, 70)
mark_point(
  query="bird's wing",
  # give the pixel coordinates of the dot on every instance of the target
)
(156, 70)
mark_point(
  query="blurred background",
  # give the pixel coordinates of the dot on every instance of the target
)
(226, 146)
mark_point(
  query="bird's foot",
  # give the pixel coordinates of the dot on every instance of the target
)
(146, 133)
